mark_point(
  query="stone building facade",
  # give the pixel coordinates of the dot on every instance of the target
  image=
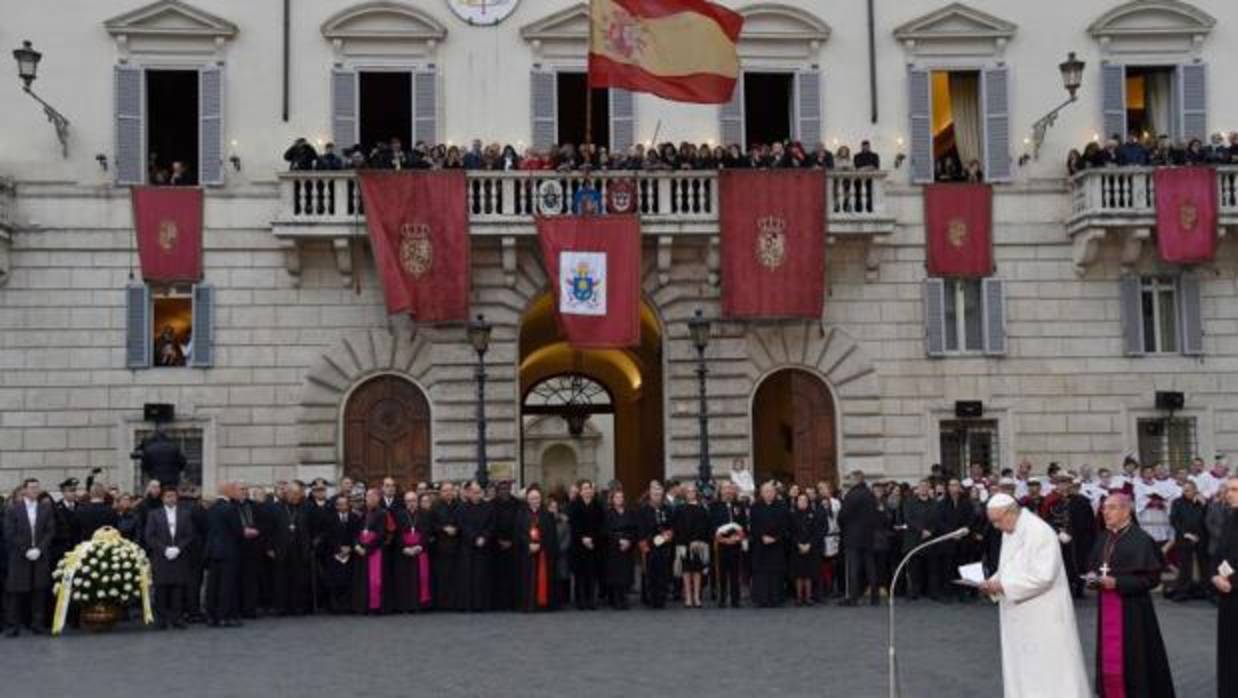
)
(1057, 348)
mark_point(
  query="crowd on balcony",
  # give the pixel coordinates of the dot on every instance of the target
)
(1145, 150)
(393, 155)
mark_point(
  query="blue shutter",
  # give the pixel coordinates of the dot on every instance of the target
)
(808, 102)
(935, 317)
(138, 348)
(622, 120)
(731, 117)
(203, 347)
(211, 125)
(997, 124)
(425, 106)
(920, 106)
(1130, 298)
(344, 108)
(130, 127)
(1113, 100)
(993, 293)
(542, 103)
(1190, 314)
(1193, 82)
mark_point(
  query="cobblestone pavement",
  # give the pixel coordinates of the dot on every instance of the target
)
(944, 652)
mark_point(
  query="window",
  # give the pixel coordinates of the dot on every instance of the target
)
(1161, 314)
(386, 109)
(957, 128)
(959, 118)
(368, 107)
(1151, 101)
(169, 125)
(969, 442)
(172, 126)
(1169, 441)
(188, 439)
(169, 326)
(570, 109)
(774, 106)
(768, 107)
(965, 316)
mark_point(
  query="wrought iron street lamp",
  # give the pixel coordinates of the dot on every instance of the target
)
(1072, 78)
(479, 337)
(698, 328)
(27, 69)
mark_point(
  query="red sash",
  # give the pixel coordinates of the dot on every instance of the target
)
(1112, 676)
(411, 538)
(543, 584)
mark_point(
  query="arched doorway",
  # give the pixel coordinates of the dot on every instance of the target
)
(793, 429)
(608, 398)
(387, 432)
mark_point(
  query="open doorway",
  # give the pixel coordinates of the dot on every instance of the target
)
(385, 108)
(1149, 101)
(570, 111)
(768, 107)
(793, 429)
(172, 125)
(958, 132)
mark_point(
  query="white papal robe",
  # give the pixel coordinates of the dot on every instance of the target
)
(1041, 656)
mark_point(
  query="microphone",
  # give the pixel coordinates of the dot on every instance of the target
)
(956, 534)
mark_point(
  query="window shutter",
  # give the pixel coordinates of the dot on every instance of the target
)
(920, 104)
(997, 124)
(138, 347)
(808, 97)
(425, 106)
(1193, 83)
(1113, 100)
(622, 120)
(130, 130)
(344, 108)
(543, 102)
(211, 125)
(993, 291)
(1130, 296)
(731, 117)
(1191, 321)
(935, 317)
(203, 349)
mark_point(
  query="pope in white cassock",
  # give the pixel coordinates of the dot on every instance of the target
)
(1041, 656)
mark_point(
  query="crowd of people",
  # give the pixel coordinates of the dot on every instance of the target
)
(295, 549)
(1147, 150)
(395, 155)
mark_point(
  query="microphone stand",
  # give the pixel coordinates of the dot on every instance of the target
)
(895, 691)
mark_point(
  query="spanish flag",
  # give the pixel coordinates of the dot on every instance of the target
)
(683, 50)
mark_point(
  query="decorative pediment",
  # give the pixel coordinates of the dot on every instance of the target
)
(383, 30)
(170, 18)
(564, 33)
(1152, 27)
(956, 30)
(775, 22)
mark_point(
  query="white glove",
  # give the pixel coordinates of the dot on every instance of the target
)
(33, 554)
(171, 552)
(1064, 537)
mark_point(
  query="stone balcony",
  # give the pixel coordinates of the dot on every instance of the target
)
(1122, 201)
(7, 223)
(327, 206)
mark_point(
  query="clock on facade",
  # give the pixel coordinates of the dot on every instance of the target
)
(483, 12)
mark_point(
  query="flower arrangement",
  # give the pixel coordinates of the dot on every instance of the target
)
(105, 570)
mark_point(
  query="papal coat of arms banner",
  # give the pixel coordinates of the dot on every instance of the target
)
(168, 224)
(418, 225)
(593, 263)
(773, 243)
(1186, 214)
(958, 230)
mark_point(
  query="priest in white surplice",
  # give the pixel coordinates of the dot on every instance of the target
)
(1041, 655)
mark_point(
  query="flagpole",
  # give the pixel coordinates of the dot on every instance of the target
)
(589, 80)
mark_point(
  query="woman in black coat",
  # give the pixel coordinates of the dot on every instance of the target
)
(621, 536)
(806, 548)
(693, 534)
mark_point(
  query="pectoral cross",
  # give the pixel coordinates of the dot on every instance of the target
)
(1104, 570)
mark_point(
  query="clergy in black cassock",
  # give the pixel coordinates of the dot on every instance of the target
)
(410, 577)
(476, 532)
(537, 548)
(370, 578)
(447, 550)
(339, 532)
(769, 527)
(586, 516)
(292, 565)
(503, 561)
(1227, 599)
(1130, 654)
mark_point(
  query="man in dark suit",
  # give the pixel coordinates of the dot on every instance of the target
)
(169, 535)
(224, 536)
(858, 520)
(29, 527)
(162, 459)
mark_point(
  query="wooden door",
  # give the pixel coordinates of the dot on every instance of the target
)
(387, 432)
(813, 444)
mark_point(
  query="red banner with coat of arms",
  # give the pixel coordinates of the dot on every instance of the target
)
(594, 267)
(1186, 214)
(958, 230)
(773, 243)
(168, 224)
(418, 224)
